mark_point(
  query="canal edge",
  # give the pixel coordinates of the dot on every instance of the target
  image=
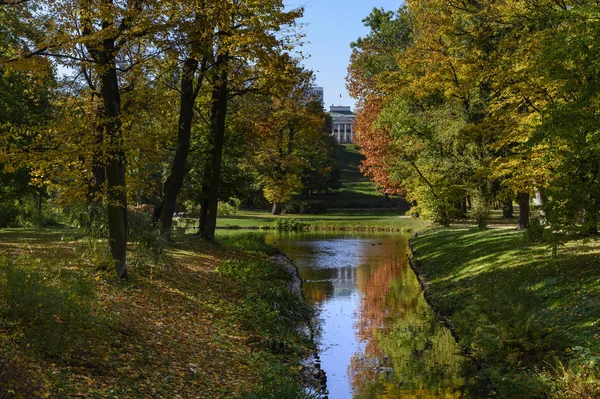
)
(430, 299)
(312, 374)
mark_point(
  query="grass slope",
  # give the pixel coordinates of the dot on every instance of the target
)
(531, 319)
(357, 191)
(197, 328)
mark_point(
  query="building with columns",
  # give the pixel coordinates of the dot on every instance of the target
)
(342, 119)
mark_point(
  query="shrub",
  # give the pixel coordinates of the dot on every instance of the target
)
(8, 214)
(290, 224)
(480, 211)
(228, 208)
(535, 231)
(305, 207)
(150, 251)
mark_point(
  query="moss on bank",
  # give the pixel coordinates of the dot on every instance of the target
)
(210, 324)
(531, 320)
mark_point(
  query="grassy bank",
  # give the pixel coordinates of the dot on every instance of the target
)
(363, 220)
(213, 322)
(531, 320)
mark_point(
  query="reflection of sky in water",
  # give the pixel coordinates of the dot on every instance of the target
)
(357, 279)
(330, 264)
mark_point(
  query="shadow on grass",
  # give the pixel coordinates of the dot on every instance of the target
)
(52, 312)
(514, 305)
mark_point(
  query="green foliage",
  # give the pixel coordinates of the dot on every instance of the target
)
(52, 312)
(513, 306)
(228, 208)
(535, 232)
(272, 310)
(151, 247)
(480, 210)
(282, 388)
(305, 207)
(290, 224)
(248, 242)
(574, 381)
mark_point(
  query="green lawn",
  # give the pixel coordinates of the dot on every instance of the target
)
(364, 220)
(531, 319)
(357, 191)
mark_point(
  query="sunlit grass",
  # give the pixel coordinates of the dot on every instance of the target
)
(517, 308)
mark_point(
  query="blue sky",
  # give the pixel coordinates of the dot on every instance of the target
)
(332, 26)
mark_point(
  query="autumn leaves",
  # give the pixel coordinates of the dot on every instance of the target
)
(482, 102)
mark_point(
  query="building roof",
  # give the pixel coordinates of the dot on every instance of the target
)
(341, 112)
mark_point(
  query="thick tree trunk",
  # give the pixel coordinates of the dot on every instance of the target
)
(203, 217)
(523, 199)
(276, 209)
(507, 209)
(219, 113)
(179, 167)
(115, 160)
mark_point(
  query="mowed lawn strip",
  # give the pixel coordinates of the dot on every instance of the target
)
(179, 330)
(531, 319)
(359, 220)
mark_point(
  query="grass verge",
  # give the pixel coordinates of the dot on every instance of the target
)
(366, 220)
(531, 320)
(215, 322)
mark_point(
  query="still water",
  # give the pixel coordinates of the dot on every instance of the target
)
(377, 336)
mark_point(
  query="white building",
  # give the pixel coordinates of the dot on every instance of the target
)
(342, 120)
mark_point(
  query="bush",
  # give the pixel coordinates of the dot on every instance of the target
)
(480, 211)
(150, 251)
(535, 232)
(305, 207)
(290, 224)
(273, 312)
(8, 214)
(228, 208)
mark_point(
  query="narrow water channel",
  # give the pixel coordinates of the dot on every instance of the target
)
(378, 337)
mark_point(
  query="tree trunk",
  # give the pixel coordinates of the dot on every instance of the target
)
(463, 206)
(115, 159)
(523, 199)
(507, 209)
(40, 198)
(218, 115)
(276, 209)
(179, 169)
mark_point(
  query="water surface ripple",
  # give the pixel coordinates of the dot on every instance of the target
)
(377, 336)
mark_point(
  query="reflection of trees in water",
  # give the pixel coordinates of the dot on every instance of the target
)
(406, 353)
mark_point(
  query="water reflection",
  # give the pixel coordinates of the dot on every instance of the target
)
(378, 336)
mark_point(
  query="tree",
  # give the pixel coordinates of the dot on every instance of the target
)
(247, 52)
(103, 42)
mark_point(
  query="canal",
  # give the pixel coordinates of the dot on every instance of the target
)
(376, 335)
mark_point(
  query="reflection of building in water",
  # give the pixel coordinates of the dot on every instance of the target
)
(344, 281)
(338, 282)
